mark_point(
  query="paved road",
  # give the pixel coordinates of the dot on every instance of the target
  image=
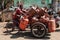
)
(4, 35)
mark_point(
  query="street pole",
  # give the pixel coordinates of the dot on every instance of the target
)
(56, 5)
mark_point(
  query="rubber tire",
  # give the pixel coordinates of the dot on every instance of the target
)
(38, 23)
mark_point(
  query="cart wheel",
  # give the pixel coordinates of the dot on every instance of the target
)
(9, 27)
(38, 30)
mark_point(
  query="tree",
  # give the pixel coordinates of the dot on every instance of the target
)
(8, 1)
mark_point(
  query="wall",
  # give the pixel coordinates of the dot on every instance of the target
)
(28, 3)
(15, 2)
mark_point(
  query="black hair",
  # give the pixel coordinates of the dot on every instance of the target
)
(21, 7)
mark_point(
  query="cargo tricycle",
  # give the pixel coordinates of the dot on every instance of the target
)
(38, 25)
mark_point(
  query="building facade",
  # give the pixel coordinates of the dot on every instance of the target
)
(28, 3)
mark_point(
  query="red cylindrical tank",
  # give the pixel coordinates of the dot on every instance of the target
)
(51, 25)
(23, 23)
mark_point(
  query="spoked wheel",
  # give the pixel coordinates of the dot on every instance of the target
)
(9, 26)
(38, 29)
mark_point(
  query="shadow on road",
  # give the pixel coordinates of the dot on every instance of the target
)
(58, 30)
(25, 35)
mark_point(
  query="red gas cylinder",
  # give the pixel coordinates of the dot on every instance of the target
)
(23, 23)
(52, 25)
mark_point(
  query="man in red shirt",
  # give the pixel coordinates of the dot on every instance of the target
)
(16, 16)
